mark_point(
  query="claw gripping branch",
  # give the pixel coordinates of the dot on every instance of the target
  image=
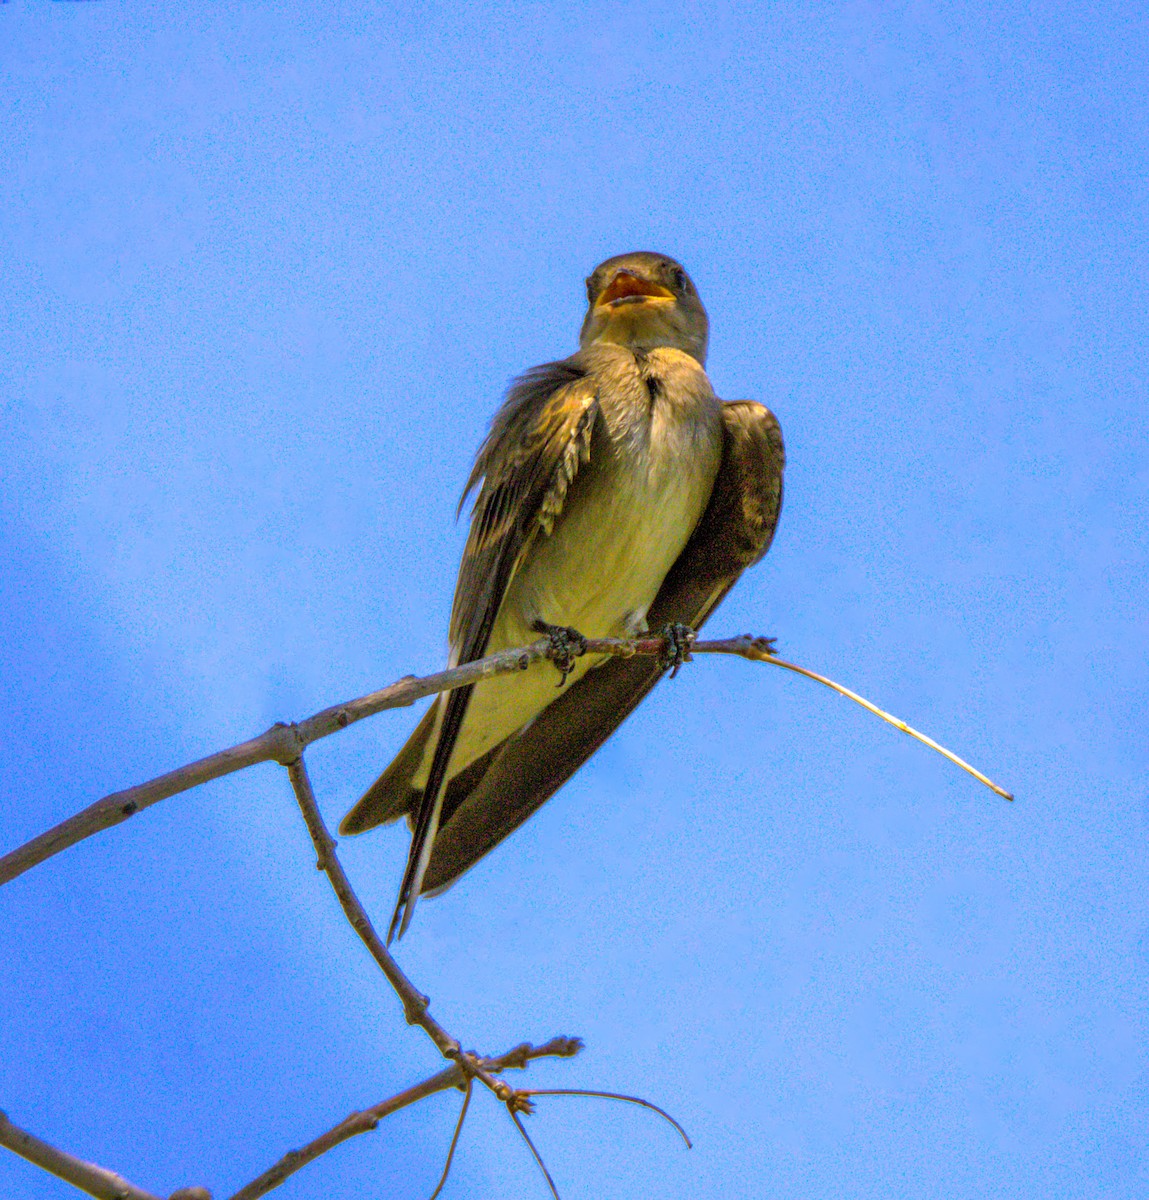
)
(679, 639)
(566, 645)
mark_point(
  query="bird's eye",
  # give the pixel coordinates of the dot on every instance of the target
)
(590, 287)
(678, 277)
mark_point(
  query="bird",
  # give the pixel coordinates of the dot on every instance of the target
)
(616, 495)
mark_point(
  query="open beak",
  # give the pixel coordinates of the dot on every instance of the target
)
(626, 288)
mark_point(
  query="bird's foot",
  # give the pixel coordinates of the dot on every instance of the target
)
(566, 645)
(678, 638)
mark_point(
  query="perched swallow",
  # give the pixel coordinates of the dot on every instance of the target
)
(618, 494)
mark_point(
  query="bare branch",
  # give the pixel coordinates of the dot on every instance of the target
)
(349, 1127)
(465, 1068)
(369, 1118)
(284, 743)
(96, 1181)
(281, 744)
(106, 1185)
(415, 1004)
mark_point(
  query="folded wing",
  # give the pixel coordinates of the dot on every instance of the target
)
(538, 440)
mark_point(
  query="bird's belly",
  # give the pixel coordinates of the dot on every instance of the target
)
(602, 566)
(598, 572)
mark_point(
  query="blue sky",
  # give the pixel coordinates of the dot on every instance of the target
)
(265, 277)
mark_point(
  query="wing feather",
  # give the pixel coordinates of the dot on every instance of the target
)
(537, 442)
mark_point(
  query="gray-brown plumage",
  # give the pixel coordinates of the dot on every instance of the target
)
(617, 494)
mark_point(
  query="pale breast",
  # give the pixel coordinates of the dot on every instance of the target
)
(620, 532)
(626, 519)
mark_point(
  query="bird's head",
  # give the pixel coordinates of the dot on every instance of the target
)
(642, 301)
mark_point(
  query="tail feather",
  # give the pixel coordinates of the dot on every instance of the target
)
(392, 796)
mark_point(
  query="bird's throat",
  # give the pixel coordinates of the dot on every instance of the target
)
(644, 325)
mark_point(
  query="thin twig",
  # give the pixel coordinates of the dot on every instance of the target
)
(369, 1118)
(752, 648)
(534, 1151)
(613, 1096)
(96, 1181)
(283, 743)
(454, 1141)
